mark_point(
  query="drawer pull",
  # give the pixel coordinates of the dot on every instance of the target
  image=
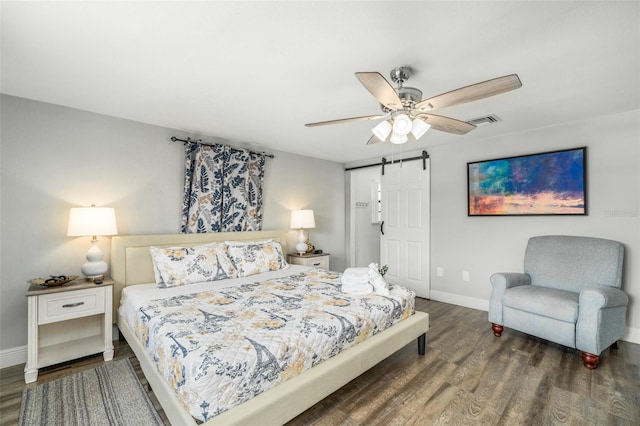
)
(73, 305)
(316, 264)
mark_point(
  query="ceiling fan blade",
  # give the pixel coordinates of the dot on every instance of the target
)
(346, 120)
(373, 140)
(380, 88)
(471, 93)
(447, 124)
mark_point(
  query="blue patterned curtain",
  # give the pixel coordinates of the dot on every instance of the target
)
(222, 189)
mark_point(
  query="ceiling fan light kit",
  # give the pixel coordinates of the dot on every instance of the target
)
(408, 110)
(398, 139)
(402, 125)
(382, 130)
(419, 128)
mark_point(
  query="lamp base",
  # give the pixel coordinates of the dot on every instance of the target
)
(93, 270)
(95, 267)
(301, 247)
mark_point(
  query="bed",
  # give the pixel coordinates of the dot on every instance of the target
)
(131, 265)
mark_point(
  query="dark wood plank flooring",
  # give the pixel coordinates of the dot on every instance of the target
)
(466, 376)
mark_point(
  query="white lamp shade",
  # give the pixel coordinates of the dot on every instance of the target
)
(302, 219)
(84, 221)
(402, 125)
(419, 128)
(398, 139)
(382, 130)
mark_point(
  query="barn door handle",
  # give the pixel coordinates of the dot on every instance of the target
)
(382, 227)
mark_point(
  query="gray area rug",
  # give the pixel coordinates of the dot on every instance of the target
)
(107, 395)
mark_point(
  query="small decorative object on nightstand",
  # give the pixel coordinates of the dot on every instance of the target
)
(66, 322)
(92, 221)
(316, 260)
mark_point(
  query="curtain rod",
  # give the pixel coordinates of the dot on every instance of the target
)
(384, 162)
(189, 140)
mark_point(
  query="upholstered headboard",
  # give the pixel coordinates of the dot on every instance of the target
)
(131, 262)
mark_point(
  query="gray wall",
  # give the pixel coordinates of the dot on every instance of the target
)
(54, 158)
(483, 245)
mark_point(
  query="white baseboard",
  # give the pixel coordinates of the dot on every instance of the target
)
(13, 356)
(457, 299)
(632, 335)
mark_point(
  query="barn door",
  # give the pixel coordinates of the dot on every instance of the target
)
(404, 239)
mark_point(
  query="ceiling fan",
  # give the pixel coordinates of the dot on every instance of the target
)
(407, 116)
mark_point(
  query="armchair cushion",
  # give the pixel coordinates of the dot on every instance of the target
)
(548, 302)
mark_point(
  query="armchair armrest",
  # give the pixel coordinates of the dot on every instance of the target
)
(504, 280)
(603, 297)
(500, 282)
(601, 318)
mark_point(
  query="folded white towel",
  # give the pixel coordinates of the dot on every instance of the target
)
(365, 288)
(355, 276)
(356, 281)
(378, 282)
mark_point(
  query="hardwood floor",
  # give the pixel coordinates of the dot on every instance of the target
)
(466, 376)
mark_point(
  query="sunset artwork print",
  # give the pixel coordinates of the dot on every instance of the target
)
(549, 183)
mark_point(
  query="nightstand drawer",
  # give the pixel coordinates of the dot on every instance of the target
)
(318, 262)
(72, 304)
(315, 260)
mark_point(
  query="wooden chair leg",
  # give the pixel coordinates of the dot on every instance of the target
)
(497, 329)
(590, 360)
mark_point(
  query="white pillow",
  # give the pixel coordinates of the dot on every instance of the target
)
(176, 266)
(255, 257)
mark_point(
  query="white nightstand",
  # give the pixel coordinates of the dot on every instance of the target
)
(316, 260)
(68, 322)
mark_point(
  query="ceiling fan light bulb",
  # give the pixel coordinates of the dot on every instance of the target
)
(398, 139)
(382, 130)
(402, 125)
(419, 128)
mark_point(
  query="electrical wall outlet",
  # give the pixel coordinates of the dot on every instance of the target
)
(440, 271)
(465, 276)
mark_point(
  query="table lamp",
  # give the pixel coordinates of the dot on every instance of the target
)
(301, 219)
(92, 221)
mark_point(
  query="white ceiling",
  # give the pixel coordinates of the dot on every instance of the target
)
(254, 72)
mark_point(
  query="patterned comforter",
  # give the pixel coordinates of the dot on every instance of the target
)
(220, 348)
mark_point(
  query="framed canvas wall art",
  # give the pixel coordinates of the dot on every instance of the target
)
(547, 183)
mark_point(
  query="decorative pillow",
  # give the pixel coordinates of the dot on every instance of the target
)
(176, 266)
(255, 257)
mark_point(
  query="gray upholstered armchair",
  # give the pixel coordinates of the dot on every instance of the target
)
(569, 294)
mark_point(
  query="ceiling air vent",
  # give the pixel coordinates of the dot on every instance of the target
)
(489, 119)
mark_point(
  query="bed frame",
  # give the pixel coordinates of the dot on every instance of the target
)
(131, 264)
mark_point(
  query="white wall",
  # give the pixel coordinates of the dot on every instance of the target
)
(54, 158)
(483, 245)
